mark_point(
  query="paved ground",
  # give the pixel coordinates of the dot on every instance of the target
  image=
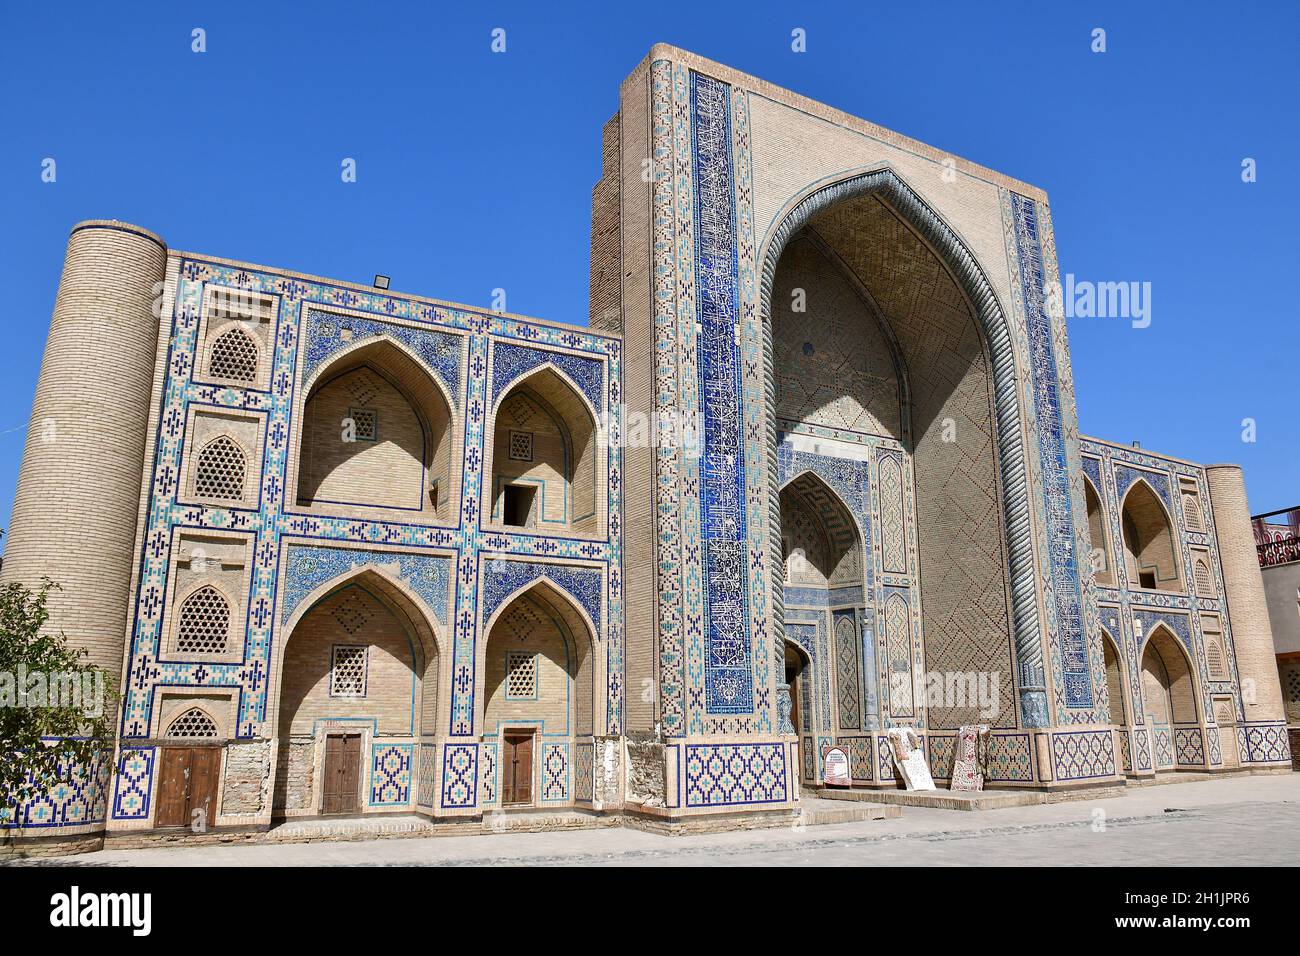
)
(1238, 821)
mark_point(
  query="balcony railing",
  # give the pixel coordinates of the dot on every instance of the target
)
(1277, 537)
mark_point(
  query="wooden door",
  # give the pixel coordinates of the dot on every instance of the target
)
(187, 781)
(205, 765)
(342, 768)
(517, 769)
(173, 787)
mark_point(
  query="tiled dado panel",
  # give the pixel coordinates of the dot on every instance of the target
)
(439, 562)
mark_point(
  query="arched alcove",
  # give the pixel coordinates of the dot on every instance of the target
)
(886, 332)
(359, 661)
(377, 432)
(544, 462)
(1103, 564)
(538, 670)
(1150, 547)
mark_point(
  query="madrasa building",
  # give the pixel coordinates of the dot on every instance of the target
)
(811, 471)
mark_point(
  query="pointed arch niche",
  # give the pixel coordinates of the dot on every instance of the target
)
(359, 658)
(543, 458)
(1150, 546)
(377, 431)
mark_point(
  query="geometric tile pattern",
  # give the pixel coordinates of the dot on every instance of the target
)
(555, 773)
(80, 797)
(459, 775)
(134, 784)
(730, 774)
(584, 771)
(1083, 754)
(390, 774)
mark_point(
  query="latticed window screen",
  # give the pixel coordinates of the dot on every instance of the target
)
(348, 670)
(205, 623)
(365, 422)
(234, 356)
(194, 723)
(1204, 581)
(1214, 659)
(1192, 509)
(521, 675)
(1292, 687)
(521, 446)
(220, 471)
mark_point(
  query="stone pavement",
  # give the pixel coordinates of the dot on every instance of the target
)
(1235, 821)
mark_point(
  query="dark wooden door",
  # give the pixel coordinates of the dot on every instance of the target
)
(517, 769)
(342, 768)
(187, 781)
(173, 784)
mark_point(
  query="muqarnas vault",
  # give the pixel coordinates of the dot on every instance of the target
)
(353, 551)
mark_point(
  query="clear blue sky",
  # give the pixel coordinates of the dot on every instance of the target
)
(475, 169)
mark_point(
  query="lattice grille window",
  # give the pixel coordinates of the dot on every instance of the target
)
(1215, 661)
(348, 670)
(234, 356)
(220, 471)
(193, 724)
(365, 422)
(1293, 685)
(521, 446)
(1204, 580)
(521, 675)
(1192, 510)
(205, 623)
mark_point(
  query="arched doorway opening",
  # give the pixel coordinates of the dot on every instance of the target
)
(358, 676)
(544, 463)
(539, 696)
(795, 705)
(1150, 553)
(823, 604)
(377, 432)
(1168, 694)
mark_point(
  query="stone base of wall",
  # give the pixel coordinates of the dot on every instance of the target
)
(12, 848)
(709, 823)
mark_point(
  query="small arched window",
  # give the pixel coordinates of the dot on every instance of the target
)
(205, 623)
(1215, 662)
(234, 356)
(1192, 512)
(1204, 580)
(220, 471)
(193, 724)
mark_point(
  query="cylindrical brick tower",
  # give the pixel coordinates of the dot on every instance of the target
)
(78, 497)
(1247, 610)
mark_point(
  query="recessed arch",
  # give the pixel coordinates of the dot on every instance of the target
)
(1115, 683)
(537, 679)
(1150, 545)
(370, 622)
(1103, 564)
(840, 559)
(377, 430)
(543, 455)
(1169, 685)
(1008, 520)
